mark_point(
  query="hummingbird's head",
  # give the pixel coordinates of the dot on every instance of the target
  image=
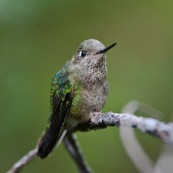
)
(89, 61)
(90, 52)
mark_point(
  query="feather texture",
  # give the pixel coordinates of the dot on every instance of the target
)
(61, 101)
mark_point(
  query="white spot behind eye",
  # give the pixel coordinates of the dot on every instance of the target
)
(80, 53)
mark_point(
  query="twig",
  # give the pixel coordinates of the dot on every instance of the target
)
(23, 161)
(151, 126)
(101, 120)
(72, 146)
(135, 151)
(165, 159)
(133, 148)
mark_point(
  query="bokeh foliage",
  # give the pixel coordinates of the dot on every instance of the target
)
(38, 37)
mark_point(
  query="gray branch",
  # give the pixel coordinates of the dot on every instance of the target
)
(139, 158)
(72, 146)
(23, 161)
(151, 126)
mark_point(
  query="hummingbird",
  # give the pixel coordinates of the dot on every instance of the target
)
(78, 91)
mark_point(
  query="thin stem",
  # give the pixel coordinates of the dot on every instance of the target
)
(23, 161)
(72, 146)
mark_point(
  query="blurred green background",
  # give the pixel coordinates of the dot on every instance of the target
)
(38, 37)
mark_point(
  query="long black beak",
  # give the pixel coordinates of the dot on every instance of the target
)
(106, 49)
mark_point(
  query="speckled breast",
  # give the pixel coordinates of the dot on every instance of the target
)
(88, 100)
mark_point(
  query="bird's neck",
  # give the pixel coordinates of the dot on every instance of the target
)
(88, 75)
(93, 75)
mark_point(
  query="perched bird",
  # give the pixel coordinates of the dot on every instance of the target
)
(78, 91)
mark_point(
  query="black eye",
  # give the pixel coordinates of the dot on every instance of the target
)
(83, 53)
